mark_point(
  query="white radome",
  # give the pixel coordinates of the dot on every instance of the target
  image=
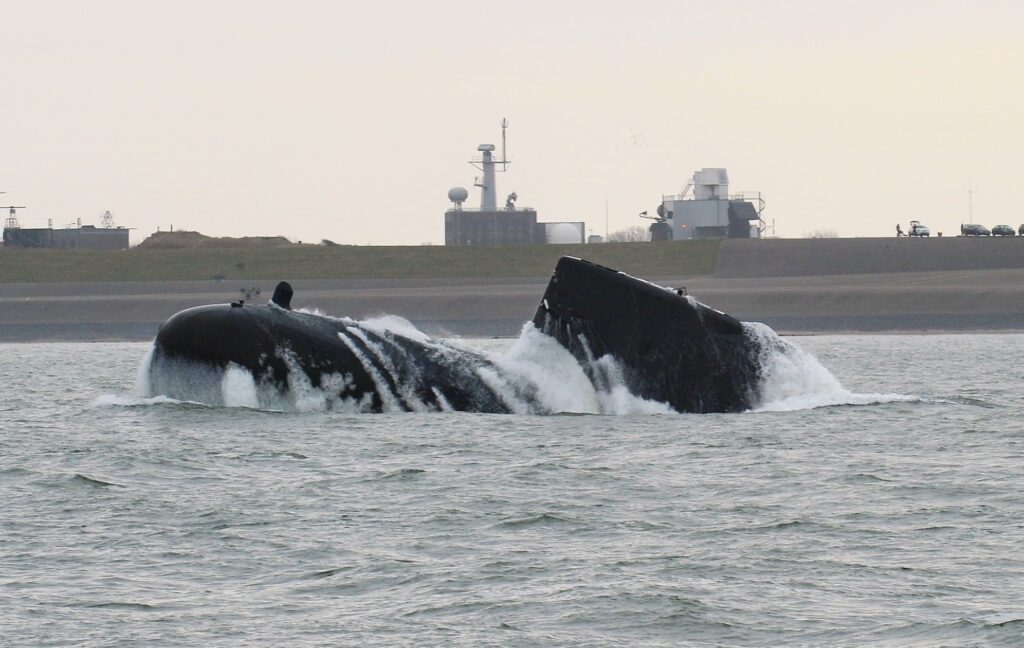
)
(458, 194)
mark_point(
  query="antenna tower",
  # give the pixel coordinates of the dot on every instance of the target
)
(11, 222)
(108, 220)
(504, 158)
(487, 164)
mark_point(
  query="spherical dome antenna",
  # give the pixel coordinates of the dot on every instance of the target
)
(458, 195)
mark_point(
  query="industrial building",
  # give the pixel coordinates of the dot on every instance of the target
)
(510, 225)
(73, 237)
(705, 209)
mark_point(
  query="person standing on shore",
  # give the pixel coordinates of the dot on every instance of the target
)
(899, 230)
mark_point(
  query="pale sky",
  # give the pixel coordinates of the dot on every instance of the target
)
(351, 120)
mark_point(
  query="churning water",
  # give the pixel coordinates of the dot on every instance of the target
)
(872, 498)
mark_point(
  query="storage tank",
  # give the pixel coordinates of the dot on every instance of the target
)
(563, 233)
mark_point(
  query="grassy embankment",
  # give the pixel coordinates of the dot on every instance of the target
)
(349, 262)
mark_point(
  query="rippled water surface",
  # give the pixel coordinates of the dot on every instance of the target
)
(892, 521)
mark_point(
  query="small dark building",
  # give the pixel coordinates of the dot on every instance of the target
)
(19, 237)
(86, 237)
(499, 227)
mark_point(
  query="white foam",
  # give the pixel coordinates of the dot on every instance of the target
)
(129, 400)
(793, 379)
(143, 387)
(405, 389)
(306, 311)
(388, 401)
(393, 325)
(238, 389)
(615, 395)
(442, 401)
(142, 391)
(505, 392)
(329, 396)
(538, 365)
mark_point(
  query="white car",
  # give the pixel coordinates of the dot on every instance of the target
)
(917, 229)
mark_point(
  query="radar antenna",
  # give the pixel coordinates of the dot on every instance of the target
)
(662, 217)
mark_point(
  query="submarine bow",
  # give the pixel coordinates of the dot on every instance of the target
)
(670, 347)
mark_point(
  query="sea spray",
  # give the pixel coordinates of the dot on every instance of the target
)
(303, 396)
(539, 364)
(405, 385)
(793, 379)
(389, 403)
(387, 325)
(238, 388)
(562, 385)
(143, 387)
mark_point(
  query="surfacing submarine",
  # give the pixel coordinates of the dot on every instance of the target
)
(669, 347)
(659, 344)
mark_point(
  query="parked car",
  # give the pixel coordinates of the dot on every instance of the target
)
(917, 229)
(973, 229)
(1002, 230)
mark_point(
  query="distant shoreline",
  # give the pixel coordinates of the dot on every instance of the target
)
(942, 302)
(798, 287)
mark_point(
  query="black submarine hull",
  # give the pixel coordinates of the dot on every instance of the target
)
(623, 331)
(669, 347)
(287, 352)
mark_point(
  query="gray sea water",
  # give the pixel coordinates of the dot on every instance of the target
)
(874, 500)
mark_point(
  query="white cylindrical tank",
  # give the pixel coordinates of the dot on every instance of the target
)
(563, 233)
